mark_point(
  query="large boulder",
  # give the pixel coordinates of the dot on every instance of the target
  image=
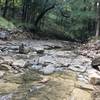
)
(94, 78)
(96, 63)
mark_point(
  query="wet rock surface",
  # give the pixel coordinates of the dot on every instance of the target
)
(4, 35)
(47, 70)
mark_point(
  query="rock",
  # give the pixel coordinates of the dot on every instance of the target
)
(27, 50)
(13, 78)
(80, 64)
(4, 35)
(39, 50)
(19, 63)
(5, 67)
(6, 97)
(52, 46)
(2, 74)
(47, 60)
(96, 93)
(96, 63)
(53, 58)
(99, 67)
(1, 60)
(35, 88)
(64, 62)
(83, 80)
(59, 69)
(34, 61)
(31, 76)
(29, 63)
(2, 42)
(0, 51)
(31, 55)
(84, 86)
(48, 69)
(23, 49)
(63, 54)
(97, 42)
(8, 87)
(36, 67)
(94, 79)
(8, 60)
(20, 56)
(45, 80)
(62, 87)
(13, 47)
(79, 94)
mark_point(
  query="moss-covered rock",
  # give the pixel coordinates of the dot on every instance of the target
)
(8, 87)
(30, 76)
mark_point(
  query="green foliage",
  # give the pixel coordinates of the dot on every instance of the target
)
(6, 24)
(73, 19)
(82, 14)
(69, 19)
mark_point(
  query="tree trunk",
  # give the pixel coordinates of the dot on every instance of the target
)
(13, 9)
(98, 20)
(24, 11)
(5, 8)
(42, 14)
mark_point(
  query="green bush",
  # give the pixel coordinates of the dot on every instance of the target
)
(6, 24)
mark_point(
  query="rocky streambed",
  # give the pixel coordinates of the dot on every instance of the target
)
(46, 70)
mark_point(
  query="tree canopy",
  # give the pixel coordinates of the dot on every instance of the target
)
(75, 20)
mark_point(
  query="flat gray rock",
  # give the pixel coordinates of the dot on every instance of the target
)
(36, 67)
(48, 69)
(4, 35)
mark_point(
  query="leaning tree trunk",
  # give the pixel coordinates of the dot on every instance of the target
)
(40, 16)
(98, 20)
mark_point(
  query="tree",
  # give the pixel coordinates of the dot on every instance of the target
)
(5, 8)
(74, 19)
(82, 18)
(40, 16)
(25, 9)
(98, 19)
